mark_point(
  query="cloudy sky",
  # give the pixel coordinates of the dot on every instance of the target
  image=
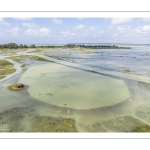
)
(74, 30)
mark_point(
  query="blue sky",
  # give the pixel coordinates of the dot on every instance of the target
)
(74, 30)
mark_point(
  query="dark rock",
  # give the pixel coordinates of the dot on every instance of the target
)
(20, 85)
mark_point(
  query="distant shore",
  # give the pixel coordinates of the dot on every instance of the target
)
(16, 46)
(97, 46)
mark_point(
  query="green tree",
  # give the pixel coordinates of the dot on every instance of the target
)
(20, 46)
(32, 46)
(25, 46)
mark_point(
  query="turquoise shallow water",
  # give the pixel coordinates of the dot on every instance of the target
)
(73, 88)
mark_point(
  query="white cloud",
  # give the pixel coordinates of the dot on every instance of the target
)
(123, 30)
(44, 31)
(146, 28)
(142, 30)
(31, 32)
(92, 28)
(96, 34)
(79, 27)
(137, 30)
(120, 28)
(120, 20)
(38, 32)
(30, 25)
(13, 31)
(3, 22)
(67, 34)
(57, 21)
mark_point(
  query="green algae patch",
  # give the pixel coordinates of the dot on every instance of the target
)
(23, 65)
(143, 128)
(6, 68)
(4, 64)
(1, 77)
(143, 110)
(22, 57)
(25, 119)
(20, 119)
(127, 71)
(144, 84)
(119, 124)
(38, 50)
(51, 124)
(7, 71)
(10, 111)
(13, 118)
(16, 88)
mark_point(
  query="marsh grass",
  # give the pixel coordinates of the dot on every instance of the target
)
(7, 71)
(6, 68)
(147, 85)
(50, 124)
(143, 128)
(38, 50)
(22, 57)
(1, 77)
(14, 88)
(4, 64)
(23, 65)
(127, 71)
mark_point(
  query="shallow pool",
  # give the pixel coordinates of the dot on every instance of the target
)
(73, 88)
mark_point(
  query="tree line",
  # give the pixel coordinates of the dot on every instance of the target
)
(15, 46)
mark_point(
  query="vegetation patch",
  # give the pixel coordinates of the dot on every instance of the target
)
(143, 128)
(38, 50)
(4, 64)
(17, 115)
(23, 65)
(10, 111)
(7, 71)
(119, 124)
(6, 68)
(22, 57)
(144, 84)
(13, 118)
(1, 77)
(17, 87)
(127, 71)
(50, 124)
